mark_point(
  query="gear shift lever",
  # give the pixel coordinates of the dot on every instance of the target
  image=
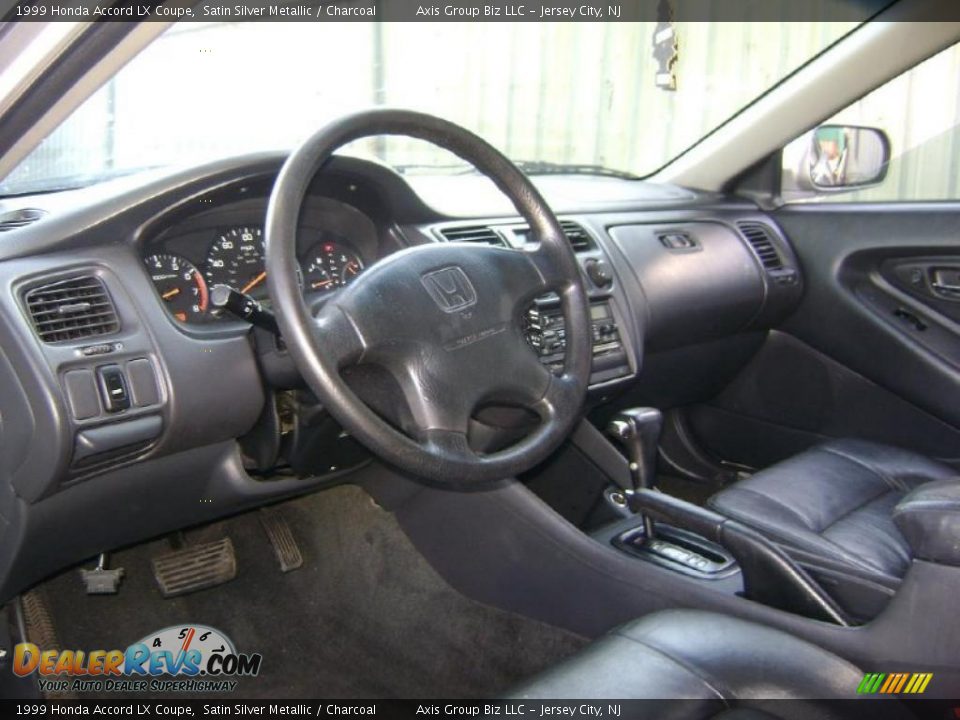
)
(638, 430)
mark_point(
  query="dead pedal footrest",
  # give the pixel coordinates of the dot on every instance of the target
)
(281, 538)
(195, 568)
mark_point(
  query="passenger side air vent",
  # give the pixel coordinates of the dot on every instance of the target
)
(579, 240)
(71, 309)
(19, 218)
(760, 238)
(473, 234)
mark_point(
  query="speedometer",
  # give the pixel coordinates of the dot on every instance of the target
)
(330, 265)
(236, 259)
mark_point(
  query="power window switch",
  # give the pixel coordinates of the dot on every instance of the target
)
(113, 388)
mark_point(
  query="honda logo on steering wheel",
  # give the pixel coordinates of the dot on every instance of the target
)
(450, 288)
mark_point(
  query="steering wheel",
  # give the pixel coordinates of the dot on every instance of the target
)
(444, 320)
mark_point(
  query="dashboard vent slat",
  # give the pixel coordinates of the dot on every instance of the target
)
(19, 218)
(760, 237)
(579, 240)
(473, 234)
(71, 309)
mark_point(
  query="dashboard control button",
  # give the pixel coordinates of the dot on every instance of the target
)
(101, 349)
(599, 273)
(81, 394)
(113, 388)
(143, 383)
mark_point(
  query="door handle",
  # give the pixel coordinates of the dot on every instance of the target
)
(945, 282)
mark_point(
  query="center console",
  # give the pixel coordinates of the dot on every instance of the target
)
(546, 332)
(673, 548)
(692, 540)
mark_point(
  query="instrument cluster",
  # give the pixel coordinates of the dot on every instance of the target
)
(334, 245)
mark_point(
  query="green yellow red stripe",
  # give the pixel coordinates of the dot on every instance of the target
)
(894, 683)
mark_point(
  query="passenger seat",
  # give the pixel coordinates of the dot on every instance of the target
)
(831, 508)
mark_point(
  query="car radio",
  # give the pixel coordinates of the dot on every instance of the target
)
(546, 331)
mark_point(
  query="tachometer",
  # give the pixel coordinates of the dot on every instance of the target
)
(180, 284)
(330, 265)
(236, 259)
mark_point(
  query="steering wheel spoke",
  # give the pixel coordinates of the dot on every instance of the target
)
(452, 447)
(338, 337)
(562, 394)
(553, 269)
(435, 396)
(521, 379)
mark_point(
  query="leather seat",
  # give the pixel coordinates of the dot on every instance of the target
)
(721, 666)
(834, 503)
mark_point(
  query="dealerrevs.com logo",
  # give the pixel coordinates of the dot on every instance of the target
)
(181, 658)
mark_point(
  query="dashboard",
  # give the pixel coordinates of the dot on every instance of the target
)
(122, 388)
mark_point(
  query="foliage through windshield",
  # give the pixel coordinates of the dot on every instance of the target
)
(578, 96)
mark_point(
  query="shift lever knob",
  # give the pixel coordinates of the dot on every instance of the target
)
(638, 430)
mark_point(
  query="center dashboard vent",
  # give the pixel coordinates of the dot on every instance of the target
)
(760, 237)
(71, 309)
(579, 240)
(473, 234)
(19, 218)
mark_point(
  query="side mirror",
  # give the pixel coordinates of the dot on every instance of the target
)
(844, 157)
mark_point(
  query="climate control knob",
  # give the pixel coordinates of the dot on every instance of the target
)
(599, 273)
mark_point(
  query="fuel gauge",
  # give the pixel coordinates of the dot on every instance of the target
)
(330, 265)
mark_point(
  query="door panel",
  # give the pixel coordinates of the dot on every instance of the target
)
(934, 281)
(874, 346)
(791, 396)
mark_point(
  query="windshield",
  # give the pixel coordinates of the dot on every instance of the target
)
(578, 97)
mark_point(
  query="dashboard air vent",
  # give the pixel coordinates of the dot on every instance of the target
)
(760, 238)
(473, 234)
(19, 218)
(579, 240)
(71, 309)
(576, 235)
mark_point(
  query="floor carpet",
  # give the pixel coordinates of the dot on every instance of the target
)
(365, 617)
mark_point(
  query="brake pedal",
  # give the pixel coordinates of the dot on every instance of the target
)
(281, 538)
(195, 568)
(101, 580)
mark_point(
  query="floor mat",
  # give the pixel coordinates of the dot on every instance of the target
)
(365, 617)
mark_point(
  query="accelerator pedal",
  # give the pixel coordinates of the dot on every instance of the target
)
(196, 567)
(281, 538)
